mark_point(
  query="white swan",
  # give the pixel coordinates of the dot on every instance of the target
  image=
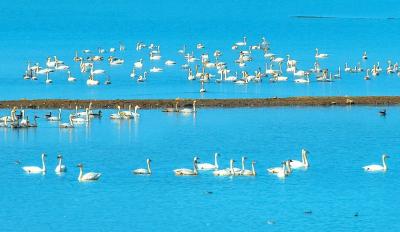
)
(285, 171)
(320, 55)
(209, 166)
(66, 124)
(55, 118)
(129, 113)
(226, 171)
(90, 176)
(251, 172)
(143, 171)
(376, 167)
(242, 43)
(82, 120)
(70, 78)
(295, 164)
(138, 64)
(117, 115)
(60, 168)
(189, 110)
(188, 172)
(36, 169)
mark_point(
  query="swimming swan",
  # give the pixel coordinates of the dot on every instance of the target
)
(295, 164)
(60, 168)
(36, 169)
(188, 172)
(143, 171)
(90, 176)
(376, 167)
(208, 166)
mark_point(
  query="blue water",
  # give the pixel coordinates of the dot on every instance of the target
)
(32, 31)
(340, 139)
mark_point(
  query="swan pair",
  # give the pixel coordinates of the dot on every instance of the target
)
(281, 172)
(60, 168)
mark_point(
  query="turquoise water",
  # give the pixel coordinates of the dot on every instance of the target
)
(340, 139)
(32, 31)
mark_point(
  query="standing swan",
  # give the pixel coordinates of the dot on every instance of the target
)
(36, 169)
(143, 171)
(90, 176)
(208, 166)
(295, 164)
(188, 172)
(60, 167)
(376, 167)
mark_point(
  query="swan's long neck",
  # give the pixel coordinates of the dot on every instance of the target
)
(194, 106)
(287, 166)
(148, 167)
(305, 160)
(242, 164)
(43, 164)
(59, 162)
(59, 114)
(384, 163)
(195, 167)
(253, 170)
(216, 160)
(80, 173)
(231, 167)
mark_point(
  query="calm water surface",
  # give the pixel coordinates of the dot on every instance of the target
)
(340, 139)
(32, 31)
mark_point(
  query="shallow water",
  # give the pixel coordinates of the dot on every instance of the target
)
(32, 31)
(340, 139)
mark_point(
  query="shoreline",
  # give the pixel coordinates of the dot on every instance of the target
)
(207, 103)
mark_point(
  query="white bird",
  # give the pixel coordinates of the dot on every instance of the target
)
(90, 176)
(189, 110)
(71, 78)
(143, 171)
(117, 115)
(295, 164)
(320, 55)
(188, 172)
(285, 171)
(170, 62)
(138, 64)
(36, 169)
(251, 172)
(242, 43)
(55, 118)
(60, 167)
(69, 124)
(376, 167)
(209, 166)
(226, 171)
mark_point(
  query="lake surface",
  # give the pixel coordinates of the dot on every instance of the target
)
(340, 139)
(32, 31)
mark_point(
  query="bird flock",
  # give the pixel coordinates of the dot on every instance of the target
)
(205, 66)
(282, 171)
(21, 120)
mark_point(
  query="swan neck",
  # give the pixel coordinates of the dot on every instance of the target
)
(384, 163)
(80, 173)
(43, 164)
(216, 161)
(148, 167)
(253, 170)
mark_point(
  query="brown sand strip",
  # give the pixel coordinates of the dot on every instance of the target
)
(212, 103)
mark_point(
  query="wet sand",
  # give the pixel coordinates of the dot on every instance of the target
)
(209, 103)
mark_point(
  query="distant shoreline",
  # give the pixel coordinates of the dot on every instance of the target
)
(209, 103)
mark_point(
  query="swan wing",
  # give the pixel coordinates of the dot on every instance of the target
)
(373, 167)
(32, 169)
(206, 166)
(140, 171)
(91, 176)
